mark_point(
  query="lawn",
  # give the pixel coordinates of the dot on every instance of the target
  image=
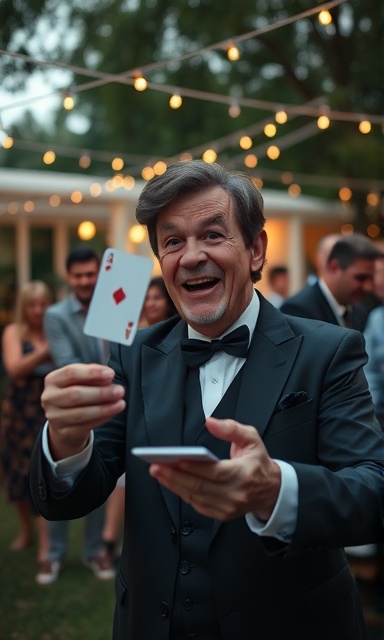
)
(76, 607)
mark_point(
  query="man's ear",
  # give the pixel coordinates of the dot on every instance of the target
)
(333, 265)
(259, 249)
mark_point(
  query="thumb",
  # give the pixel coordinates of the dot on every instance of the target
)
(232, 431)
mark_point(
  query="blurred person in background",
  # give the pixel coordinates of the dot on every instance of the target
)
(278, 283)
(63, 326)
(347, 278)
(26, 360)
(374, 344)
(157, 305)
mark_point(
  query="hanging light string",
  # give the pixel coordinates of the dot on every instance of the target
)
(125, 77)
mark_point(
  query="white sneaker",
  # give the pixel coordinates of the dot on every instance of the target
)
(49, 572)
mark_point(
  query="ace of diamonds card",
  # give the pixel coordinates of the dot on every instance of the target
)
(118, 297)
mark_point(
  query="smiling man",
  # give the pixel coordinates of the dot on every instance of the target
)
(249, 546)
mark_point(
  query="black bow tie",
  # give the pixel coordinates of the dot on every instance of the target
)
(197, 352)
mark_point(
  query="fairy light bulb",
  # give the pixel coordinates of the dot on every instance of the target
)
(325, 18)
(233, 53)
(323, 122)
(175, 101)
(140, 84)
(365, 126)
(68, 102)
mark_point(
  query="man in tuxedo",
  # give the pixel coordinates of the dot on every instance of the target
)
(250, 546)
(344, 281)
(63, 326)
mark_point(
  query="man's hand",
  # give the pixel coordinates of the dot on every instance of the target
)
(247, 483)
(76, 399)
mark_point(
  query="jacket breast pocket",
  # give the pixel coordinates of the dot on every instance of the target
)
(292, 434)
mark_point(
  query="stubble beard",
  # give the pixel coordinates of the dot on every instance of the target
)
(204, 318)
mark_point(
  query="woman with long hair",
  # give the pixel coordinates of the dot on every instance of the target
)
(26, 360)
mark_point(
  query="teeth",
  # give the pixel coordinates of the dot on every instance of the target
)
(202, 281)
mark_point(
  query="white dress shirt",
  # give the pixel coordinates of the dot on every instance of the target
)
(215, 377)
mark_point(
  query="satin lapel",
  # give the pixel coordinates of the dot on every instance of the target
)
(163, 384)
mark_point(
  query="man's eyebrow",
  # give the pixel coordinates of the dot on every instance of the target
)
(205, 222)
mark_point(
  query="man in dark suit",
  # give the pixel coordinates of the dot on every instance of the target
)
(250, 546)
(344, 281)
(63, 326)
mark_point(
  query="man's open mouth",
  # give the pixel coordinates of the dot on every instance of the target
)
(201, 284)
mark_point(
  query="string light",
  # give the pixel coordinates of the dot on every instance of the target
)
(323, 122)
(250, 161)
(29, 206)
(373, 230)
(365, 126)
(54, 200)
(373, 199)
(270, 130)
(273, 152)
(147, 173)
(86, 230)
(347, 229)
(137, 233)
(281, 117)
(294, 190)
(175, 101)
(233, 53)
(209, 156)
(245, 142)
(95, 189)
(234, 110)
(117, 164)
(345, 194)
(76, 197)
(49, 157)
(129, 182)
(159, 168)
(140, 84)
(7, 143)
(68, 102)
(325, 18)
(84, 161)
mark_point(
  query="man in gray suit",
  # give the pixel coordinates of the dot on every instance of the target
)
(63, 325)
(249, 546)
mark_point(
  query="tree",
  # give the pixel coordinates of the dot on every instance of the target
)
(290, 65)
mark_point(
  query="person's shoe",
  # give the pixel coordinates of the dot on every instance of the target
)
(49, 572)
(102, 566)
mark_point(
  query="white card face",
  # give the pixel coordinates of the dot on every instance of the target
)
(119, 295)
(174, 454)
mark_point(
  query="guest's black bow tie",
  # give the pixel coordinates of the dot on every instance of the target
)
(197, 352)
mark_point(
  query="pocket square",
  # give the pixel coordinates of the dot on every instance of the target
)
(292, 400)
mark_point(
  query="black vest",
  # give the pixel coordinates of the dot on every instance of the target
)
(194, 612)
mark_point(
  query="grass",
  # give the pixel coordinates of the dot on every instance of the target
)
(76, 607)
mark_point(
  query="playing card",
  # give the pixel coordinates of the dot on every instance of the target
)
(118, 297)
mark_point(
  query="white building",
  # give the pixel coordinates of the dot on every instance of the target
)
(40, 214)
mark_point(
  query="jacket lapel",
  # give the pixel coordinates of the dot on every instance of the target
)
(272, 354)
(163, 384)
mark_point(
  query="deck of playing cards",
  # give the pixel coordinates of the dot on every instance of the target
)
(118, 298)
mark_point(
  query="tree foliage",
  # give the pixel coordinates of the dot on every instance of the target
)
(294, 64)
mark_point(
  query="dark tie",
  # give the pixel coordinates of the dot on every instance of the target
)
(197, 352)
(347, 318)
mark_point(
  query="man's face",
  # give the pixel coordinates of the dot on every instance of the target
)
(82, 277)
(205, 263)
(352, 284)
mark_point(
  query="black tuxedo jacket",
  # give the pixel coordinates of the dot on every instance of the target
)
(310, 302)
(303, 389)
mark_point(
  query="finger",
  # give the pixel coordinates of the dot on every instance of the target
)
(84, 417)
(232, 431)
(72, 374)
(81, 396)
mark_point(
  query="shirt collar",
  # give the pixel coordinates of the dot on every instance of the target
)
(248, 317)
(338, 309)
(76, 304)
